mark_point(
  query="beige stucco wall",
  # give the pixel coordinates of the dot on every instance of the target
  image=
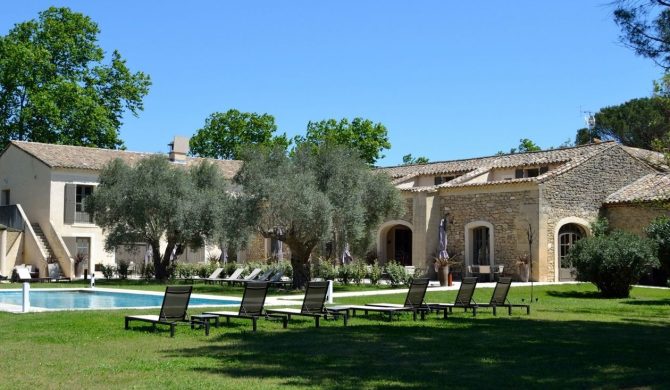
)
(633, 218)
(578, 194)
(28, 180)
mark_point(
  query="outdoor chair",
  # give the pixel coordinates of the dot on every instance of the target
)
(499, 297)
(252, 275)
(173, 310)
(234, 276)
(313, 305)
(251, 307)
(276, 280)
(214, 277)
(464, 298)
(22, 274)
(265, 276)
(414, 302)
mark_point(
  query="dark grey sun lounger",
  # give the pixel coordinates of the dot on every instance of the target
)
(251, 307)
(414, 303)
(313, 305)
(173, 310)
(463, 298)
(499, 297)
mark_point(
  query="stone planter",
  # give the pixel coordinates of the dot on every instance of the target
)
(524, 272)
(443, 276)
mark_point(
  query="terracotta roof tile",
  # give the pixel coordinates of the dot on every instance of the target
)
(652, 187)
(80, 157)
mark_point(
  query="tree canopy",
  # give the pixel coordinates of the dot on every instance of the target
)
(367, 138)
(637, 123)
(54, 87)
(525, 145)
(409, 160)
(645, 28)
(314, 195)
(155, 200)
(225, 135)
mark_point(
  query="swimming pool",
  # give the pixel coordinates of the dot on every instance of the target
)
(73, 299)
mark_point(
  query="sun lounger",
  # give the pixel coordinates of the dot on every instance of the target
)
(414, 302)
(464, 298)
(499, 297)
(313, 305)
(251, 307)
(276, 280)
(173, 310)
(23, 275)
(214, 277)
(252, 275)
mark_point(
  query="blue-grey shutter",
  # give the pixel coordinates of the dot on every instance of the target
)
(70, 199)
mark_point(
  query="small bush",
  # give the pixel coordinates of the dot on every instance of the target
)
(326, 270)
(613, 262)
(147, 271)
(375, 273)
(397, 273)
(285, 267)
(358, 272)
(345, 273)
(108, 271)
(229, 268)
(659, 231)
(185, 270)
(122, 269)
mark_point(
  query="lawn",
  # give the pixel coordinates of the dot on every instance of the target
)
(572, 339)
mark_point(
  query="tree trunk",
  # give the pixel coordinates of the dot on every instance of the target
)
(300, 263)
(161, 263)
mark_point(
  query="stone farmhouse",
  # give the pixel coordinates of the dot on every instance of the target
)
(490, 206)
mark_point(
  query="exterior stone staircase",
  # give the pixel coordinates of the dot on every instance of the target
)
(42, 240)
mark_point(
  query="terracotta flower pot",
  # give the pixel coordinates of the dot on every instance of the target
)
(443, 276)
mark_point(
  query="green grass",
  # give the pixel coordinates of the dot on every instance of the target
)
(572, 339)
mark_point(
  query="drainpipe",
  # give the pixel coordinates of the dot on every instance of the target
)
(3, 249)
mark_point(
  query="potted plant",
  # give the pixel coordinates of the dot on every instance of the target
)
(523, 264)
(442, 268)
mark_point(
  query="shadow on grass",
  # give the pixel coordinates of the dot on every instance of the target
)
(576, 294)
(457, 353)
(655, 302)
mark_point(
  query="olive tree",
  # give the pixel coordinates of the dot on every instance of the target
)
(154, 201)
(314, 195)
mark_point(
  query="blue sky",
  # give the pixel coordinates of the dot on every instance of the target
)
(449, 79)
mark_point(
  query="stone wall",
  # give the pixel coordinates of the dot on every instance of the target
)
(579, 193)
(633, 218)
(508, 211)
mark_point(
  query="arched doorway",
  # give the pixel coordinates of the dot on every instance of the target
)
(568, 235)
(395, 242)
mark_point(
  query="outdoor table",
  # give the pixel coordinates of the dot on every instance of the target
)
(204, 319)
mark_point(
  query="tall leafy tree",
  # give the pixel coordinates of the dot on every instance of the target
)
(525, 145)
(637, 123)
(55, 88)
(408, 159)
(645, 28)
(155, 200)
(315, 194)
(369, 139)
(225, 135)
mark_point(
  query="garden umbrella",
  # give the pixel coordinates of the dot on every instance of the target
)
(442, 240)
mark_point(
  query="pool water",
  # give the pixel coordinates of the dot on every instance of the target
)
(91, 299)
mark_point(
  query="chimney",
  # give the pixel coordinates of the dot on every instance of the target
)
(178, 149)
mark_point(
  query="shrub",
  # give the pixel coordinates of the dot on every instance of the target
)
(358, 271)
(326, 270)
(375, 273)
(229, 268)
(345, 272)
(659, 231)
(285, 267)
(613, 262)
(122, 269)
(147, 271)
(397, 273)
(108, 271)
(185, 271)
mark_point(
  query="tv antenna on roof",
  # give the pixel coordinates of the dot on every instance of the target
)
(590, 120)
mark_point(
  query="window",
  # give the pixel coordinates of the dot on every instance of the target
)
(530, 172)
(443, 179)
(568, 235)
(480, 246)
(83, 246)
(4, 201)
(75, 203)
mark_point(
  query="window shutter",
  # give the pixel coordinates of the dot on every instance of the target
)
(70, 199)
(518, 174)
